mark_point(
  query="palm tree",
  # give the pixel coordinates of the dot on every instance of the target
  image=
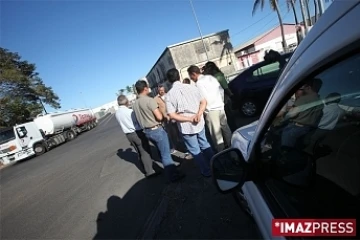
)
(310, 23)
(227, 48)
(291, 4)
(120, 92)
(129, 89)
(275, 7)
(316, 10)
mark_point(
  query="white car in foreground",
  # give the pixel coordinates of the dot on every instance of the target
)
(304, 163)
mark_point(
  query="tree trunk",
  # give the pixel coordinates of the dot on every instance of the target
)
(298, 38)
(303, 13)
(284, 45)
(308, 12)
(294, 11)
(316, 10)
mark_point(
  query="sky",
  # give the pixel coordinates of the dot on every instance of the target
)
(88, 50)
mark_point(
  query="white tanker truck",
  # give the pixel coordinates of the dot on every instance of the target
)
(43, 133)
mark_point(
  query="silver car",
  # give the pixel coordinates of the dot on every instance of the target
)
(301, 159)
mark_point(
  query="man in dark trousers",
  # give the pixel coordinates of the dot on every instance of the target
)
(130, 126)
(150, 119)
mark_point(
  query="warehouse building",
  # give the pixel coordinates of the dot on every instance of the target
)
(218, 49)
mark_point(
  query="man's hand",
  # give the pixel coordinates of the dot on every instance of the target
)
(288, 108)
(197, 118)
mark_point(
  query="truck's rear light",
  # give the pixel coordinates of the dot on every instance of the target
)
(12, 148)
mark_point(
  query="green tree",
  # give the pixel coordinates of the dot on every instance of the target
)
(275, 7)
(120, 92)
(22, 92)
(129, 89)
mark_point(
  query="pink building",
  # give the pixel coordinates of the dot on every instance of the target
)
(253, 51)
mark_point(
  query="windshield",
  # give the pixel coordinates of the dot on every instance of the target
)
(6, 135)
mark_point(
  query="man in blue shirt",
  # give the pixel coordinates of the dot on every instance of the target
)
(130, 126)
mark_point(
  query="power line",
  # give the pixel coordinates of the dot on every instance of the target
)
(264, 26)
(246, 28)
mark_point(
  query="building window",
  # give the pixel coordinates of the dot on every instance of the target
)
(199, 47)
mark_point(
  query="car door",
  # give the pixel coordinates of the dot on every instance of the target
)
(262, 80)
(22, 133)
(320, 175)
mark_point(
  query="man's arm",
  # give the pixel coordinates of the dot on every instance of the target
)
(158, 115)
(202, 107)
(203, 103)
(293, 112)
(180, 118)
(173, 114)
(155, 109)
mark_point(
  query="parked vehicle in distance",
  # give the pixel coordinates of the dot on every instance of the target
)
(43, 133)
(253, 86)
(304, 162)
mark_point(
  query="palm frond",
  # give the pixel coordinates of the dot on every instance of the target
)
(257, 4)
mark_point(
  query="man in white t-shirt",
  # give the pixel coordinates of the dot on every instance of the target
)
(215, 116)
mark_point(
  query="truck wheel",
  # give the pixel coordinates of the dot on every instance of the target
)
(88, 126)
(39, 149)
(70, 135)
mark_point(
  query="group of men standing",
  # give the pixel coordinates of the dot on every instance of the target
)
(188, 107)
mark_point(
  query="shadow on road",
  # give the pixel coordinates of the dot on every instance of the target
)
(132, 157)
(125, 217)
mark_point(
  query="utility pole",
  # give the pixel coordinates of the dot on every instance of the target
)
(43, 106)
(198, 25)
(303, 13)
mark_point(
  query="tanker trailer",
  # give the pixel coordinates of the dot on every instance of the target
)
(67, 124)
(45, 132)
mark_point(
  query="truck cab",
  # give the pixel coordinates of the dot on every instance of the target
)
(20, 142)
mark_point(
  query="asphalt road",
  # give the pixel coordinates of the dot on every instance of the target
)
(84, 189)
(91, 188)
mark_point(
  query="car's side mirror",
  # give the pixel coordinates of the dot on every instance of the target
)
(229, 170)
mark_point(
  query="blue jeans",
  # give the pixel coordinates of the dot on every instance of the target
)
(291, 133)
(200, 148)
(160, 138)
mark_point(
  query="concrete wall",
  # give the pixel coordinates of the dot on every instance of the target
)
(192, 53)
(183, 55)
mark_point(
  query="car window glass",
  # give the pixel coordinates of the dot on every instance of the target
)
(266, 70)
(21, 131)
(313, 142)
